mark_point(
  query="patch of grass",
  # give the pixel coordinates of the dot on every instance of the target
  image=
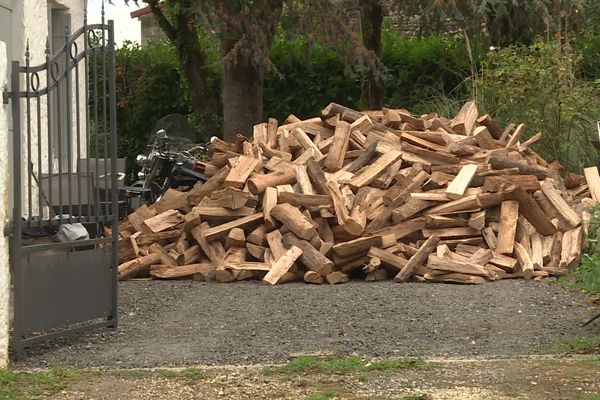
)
(35, 385)
(192, 374)
(577, 344)
(326, 394)
(591, 397)
(345, 365)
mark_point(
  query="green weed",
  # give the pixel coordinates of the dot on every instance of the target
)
(326, 394)
(578, 344)
(586, 277)
(345, 365)
(34, 385)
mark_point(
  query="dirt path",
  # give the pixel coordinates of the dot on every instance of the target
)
(192, 323)
(517, 378)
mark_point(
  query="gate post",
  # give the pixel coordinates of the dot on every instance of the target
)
(5, 308)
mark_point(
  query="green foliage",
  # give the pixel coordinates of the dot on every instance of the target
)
(34, 385)
(538, 85)
(345, 365)
(415, 65)
(577, 344)
(307, 76)
(148, 88)
(326, 394)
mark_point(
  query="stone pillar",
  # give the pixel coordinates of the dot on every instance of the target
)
(4, 215)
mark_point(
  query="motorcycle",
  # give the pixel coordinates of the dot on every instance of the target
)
(169, 163)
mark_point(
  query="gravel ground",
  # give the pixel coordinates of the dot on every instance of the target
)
(497, 379)
(175, 323)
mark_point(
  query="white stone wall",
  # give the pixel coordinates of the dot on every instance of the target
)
(31, 24)
(4, 255)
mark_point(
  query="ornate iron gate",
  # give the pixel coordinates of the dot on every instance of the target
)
(65, 174)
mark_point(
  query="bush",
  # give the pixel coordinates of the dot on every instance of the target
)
(538, 85)
(307, 76)
(148, 87)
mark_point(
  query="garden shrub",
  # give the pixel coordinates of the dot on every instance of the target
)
(538, 85)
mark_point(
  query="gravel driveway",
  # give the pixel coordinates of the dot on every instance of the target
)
(172, 323)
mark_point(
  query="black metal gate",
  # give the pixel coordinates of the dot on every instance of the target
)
(65, 187)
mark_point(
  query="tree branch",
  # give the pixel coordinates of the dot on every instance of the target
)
(162, 20)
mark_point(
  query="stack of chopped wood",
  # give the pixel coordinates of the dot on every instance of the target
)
(370, 195)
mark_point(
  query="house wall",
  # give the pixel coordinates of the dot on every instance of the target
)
(4, 255)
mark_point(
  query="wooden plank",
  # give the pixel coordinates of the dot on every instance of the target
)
(269, 201)
(593, 180)
(307, 143)
(509, 213)
(162, 221)
(388, 258)
(241, 172)
(537, 251)
(432, 157)
(456, 188)
(484, 138)
(138, 217)
(335, 156)
(499, 183)
(337, 277)
(504, 163)
(519, 131)
(424, 143)
(524, 260)
(222, 213)
(369, 173)
(455, 266)
(451, 232)
(313, 277)
(464, 121)
(181, 271)
(282, 265)
(228, 197)
(235, 238)
(357, 246)
(293, 219)
(222, 230)
(530, 209)
(438, 222)
(491, 125)
(305, 200)
(417, 259)
(259, 183)
(564, 210)
(311, 258)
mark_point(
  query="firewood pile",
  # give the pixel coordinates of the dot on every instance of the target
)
(367, 195)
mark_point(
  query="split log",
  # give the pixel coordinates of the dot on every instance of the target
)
(417, 259)
(282, 265)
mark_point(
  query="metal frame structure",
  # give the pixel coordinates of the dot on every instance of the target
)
(65, 172)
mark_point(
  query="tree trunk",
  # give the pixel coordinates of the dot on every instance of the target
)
(181, 30)
(243, 86)
(371, 18)
(205, 99)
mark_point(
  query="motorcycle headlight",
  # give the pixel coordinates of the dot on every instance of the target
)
(141, 159)
(141, 175)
